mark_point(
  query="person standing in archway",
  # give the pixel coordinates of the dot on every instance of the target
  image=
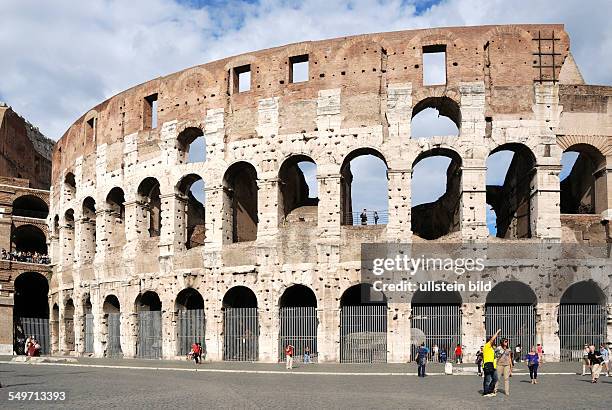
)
(289, 356)
(489, 366)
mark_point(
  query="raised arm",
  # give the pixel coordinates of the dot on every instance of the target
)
(492, 339)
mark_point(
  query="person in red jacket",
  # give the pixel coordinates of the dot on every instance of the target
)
(289, 355)
(195, 352)
(458, 354)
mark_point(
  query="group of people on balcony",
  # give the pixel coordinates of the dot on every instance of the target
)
(25, 256)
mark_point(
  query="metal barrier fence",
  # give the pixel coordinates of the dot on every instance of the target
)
(517, 324)
(298, 327)
(580, 324)
(113, 348)
(89, 333)
(190, 327)
(363, 334)
(240, 334)
(436, 325)
(149, 335)
(355, 218)
(39, 328)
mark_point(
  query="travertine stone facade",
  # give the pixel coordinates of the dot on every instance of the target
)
(504, 89)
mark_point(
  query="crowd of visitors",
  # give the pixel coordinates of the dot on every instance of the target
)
(23, 256)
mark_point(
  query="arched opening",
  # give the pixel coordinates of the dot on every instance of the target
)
(149, 196)
(30, 206)
(511, 173)
(583, 180)
(363, 325)
(191, 145)
(191, 324)
(582, 319)
(68, 237)
(69, 326)
(510, 306)
(88, 325)
(240, 325)
(436, 193)
(191, 190)
(298, 322)
(112, 316)
(435, 116)
(115, 218)
(88, 230)
(31, 311)
(297, 190)
(436, 321)
(149, 344)
(364, 188)
(69, 186)
(29, 244)
(240, 202)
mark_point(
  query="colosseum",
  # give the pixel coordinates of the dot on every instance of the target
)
(180, 210)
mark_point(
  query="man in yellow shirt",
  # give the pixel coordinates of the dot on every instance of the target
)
(489, 366)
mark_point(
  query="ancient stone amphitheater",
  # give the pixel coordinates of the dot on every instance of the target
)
(144, 265)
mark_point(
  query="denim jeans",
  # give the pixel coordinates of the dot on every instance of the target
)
(421, 369)
(490, 380)
(306, 358)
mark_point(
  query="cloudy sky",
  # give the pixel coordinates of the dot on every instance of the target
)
(59, 58)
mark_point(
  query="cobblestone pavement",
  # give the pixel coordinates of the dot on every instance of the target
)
(152, 386)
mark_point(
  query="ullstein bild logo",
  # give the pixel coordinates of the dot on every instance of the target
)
(396, 272)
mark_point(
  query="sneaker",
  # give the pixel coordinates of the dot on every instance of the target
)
(489, 395)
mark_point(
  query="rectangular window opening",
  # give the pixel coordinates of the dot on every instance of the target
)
(149, 114)
(298, 68)
(242, 78)
(434, 65)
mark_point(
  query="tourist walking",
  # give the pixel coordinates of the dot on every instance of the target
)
(489, 366)
(289, 355)
(422, 359)
(458, 354)
(605, 355)
(307, 354)
(517, 352)
(195, 353)
(533, 362)
(595, 360)
(479, 361)
(504, 364)
(540, 352)
(434, 353)
(585, 360)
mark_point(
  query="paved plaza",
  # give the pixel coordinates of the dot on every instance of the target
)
(94, 383)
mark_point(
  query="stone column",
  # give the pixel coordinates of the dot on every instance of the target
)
(79, 327)
(63, 348)
(268, 332)
(67, 244)
(398, 331)
(169, 333)
(545, 206)
(547, 331)
(399, 225)
(474, 201)
(129, 333)
(173, 226)
(328, 244)
(214, 329)
(100, 329)
(328, 334)
(473, 331)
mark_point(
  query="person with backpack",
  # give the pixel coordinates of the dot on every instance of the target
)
(479, 361)
(422, 359)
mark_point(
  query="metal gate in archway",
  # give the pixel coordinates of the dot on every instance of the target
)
(149, 334)
(89, 333)
(113, 322)
(240, 334)
(363, 334)
(436, 325)
(190, 327)
(517, 324)
(298, 327)
(580, 324)
(39, 328)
